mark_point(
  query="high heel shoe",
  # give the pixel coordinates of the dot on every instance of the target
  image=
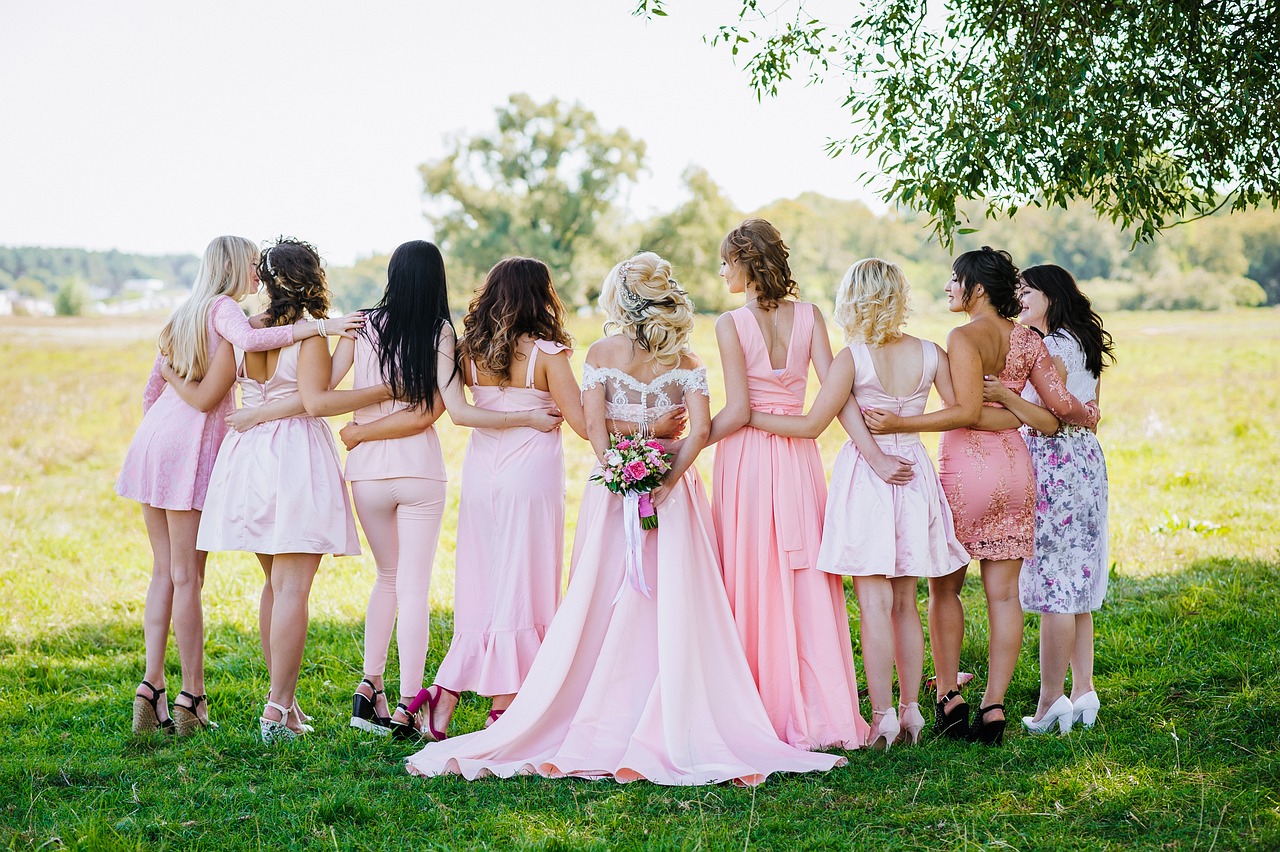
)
(277, 731)
(1085, 709)
(912, 722)
(886, 731)
(991, 733)
(1060, 711)
(431, 697)
(146, 712)
(186, 718)
(364, 711)
(955, 722)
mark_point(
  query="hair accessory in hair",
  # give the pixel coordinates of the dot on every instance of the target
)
(266, 259)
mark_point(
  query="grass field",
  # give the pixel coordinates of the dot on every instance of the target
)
(1184, 755)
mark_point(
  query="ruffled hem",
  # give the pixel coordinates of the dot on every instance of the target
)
(493, 663)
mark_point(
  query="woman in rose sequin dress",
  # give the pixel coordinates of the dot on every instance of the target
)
(987, 477)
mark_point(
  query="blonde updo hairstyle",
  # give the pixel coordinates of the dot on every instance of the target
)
(757, 247)
(641, 300)
(871, 302)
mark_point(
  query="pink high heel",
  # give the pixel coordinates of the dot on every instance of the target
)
(431, 698)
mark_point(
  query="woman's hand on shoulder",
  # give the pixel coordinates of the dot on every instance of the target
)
(348, 325)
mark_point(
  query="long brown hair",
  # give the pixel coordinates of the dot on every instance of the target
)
(757, 246)
(517, 298)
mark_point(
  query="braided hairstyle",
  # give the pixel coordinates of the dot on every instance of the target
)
(294, 277)
(641, 299)
(757, 246)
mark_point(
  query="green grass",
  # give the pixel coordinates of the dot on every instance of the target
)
(1184, 756)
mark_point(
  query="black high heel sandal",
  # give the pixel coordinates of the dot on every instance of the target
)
(991, 733)
(364, 711)
(146, 712)
(954, 724)
(185, 716)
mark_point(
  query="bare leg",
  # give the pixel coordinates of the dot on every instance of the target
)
(291, 577)
(1004, 612)
(1082, 657)
(159, 606)
(946, 631)
(186, 566)
(908, 639)
(1057, 639)
(875, 602)
(265, 602)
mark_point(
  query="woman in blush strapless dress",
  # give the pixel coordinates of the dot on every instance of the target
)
(987, 477)
(168, 463)
(768, 496)
(887, 520)
(641, 674)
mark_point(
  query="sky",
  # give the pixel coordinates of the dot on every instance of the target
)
(154, 126)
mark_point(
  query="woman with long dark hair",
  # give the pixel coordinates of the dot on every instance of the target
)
(987, 478)
(1065, 579)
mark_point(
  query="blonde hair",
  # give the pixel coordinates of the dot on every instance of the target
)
(871, 302)
(641, 299)
(224, 271)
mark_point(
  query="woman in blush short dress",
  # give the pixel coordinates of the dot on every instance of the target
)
(1065, 579)
(169, 461)
(768, 494)
(987, 477)
(641, 674)
(277, 489)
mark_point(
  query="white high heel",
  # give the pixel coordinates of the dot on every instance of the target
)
(887, 731)
(1060, 712)
(277, 731)
(1085, 709)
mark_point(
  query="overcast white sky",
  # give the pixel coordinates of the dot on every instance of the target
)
(154, 126)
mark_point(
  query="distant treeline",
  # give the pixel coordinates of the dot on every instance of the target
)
(1214, 263)
(40, 273)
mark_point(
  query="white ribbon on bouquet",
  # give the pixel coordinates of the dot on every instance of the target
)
(634, 534)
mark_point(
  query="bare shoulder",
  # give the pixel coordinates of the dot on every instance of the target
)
(690, 360)
(609, 351)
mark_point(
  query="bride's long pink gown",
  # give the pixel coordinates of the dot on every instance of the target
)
(652, 688)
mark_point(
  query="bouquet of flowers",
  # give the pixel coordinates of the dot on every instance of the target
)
(635, 466)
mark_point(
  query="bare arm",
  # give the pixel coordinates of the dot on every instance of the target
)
(597, 428)
(317, 397)
(737, 406)
(1040, 419)
(832, 397)
(820, 346)
(565, 391)
(399, 424)
(207, 393)
(965, 370)
(463, 413)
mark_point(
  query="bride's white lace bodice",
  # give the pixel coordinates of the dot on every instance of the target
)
(629, 399)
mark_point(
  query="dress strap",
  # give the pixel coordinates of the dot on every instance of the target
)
(475, 378)
(533, 360)
(928, 365)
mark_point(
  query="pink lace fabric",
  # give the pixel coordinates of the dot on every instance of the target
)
(987, 476)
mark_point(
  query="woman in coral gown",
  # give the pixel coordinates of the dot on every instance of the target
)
(641, 674)
(768, 495)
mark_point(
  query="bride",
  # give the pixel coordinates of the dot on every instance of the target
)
(639, 677)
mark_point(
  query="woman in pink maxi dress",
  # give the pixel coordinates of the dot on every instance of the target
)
(170, 458)
(768, 498)
(632, 684)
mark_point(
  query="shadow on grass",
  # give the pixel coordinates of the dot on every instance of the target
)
(1183, 755)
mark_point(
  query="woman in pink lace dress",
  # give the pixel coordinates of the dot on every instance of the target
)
(987, 478)
(768, 495)
(168, 463)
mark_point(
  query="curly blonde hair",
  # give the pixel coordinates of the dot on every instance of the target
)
(641, 299)
(871, 302)
(757, 246)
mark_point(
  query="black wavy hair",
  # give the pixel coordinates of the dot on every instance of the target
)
(1070, 308)
(995, 271)
(404, 327)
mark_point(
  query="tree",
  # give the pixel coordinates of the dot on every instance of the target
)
(360, 285)
(539, 186)
(71, 299)
(690, 236)
(1153, 111)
